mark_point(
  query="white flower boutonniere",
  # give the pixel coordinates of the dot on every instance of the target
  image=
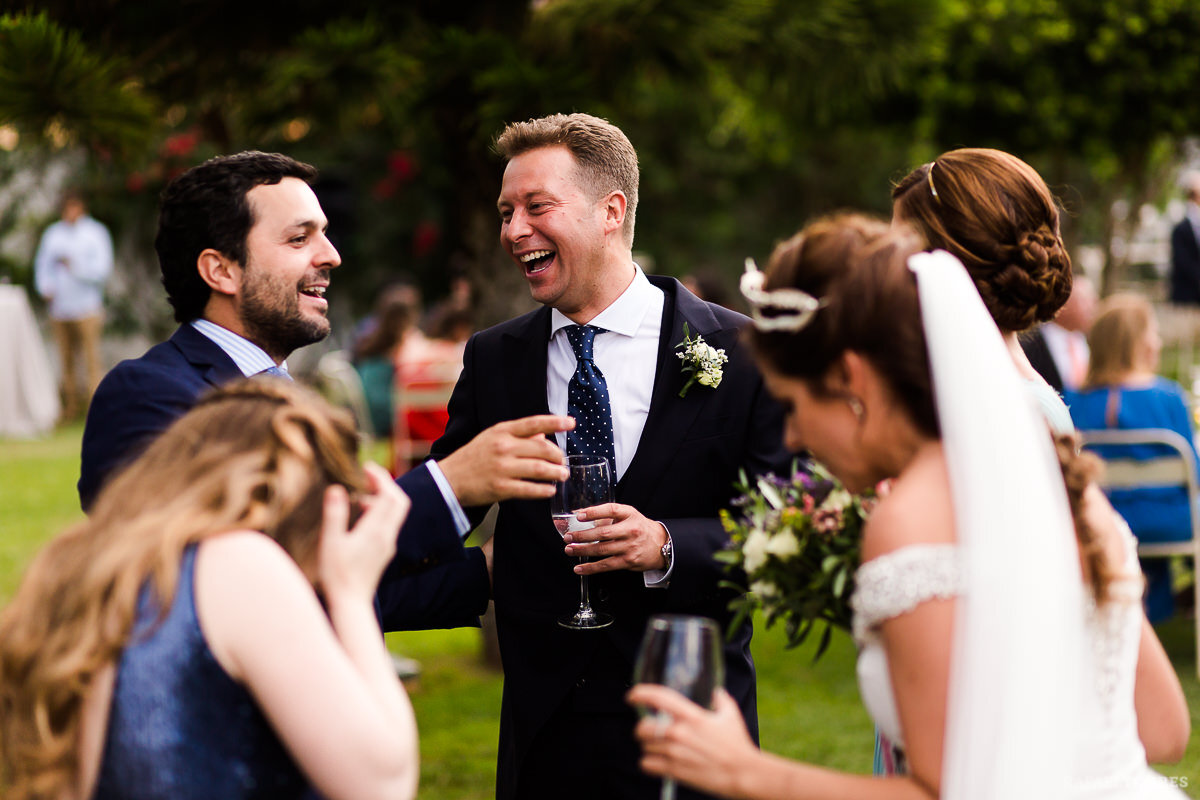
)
(702, 362)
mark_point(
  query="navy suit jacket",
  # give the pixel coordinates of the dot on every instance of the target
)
(141, 397)
(1185, 264)
(686, 463)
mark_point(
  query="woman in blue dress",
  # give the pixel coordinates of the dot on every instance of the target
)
(1124, 391)
(209, 631)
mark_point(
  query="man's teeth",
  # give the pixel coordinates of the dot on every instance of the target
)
(314, 291)
(536, 254)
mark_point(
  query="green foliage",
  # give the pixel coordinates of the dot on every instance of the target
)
(53, 86)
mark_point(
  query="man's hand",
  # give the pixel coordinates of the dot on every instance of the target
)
(510, 460)
(631, 541)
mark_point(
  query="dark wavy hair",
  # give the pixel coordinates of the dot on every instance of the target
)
(858, 267)
(996, 214)
(207, 207)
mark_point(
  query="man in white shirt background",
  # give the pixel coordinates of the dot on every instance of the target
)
(74, 260)
(1066, 334)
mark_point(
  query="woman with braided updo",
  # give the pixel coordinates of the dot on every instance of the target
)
(209, 630)
(997, 216)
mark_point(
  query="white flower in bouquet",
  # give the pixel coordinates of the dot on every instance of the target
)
(755, 550)
(784, 545)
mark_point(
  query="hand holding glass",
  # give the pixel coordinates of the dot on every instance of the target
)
(589, 483)
(682, 653)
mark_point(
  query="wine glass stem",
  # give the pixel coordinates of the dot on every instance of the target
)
(668, 789)
(585, 603)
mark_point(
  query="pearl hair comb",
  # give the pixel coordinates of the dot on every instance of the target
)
(793, 308)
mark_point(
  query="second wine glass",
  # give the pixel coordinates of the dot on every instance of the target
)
(684, 653)
(588, 483)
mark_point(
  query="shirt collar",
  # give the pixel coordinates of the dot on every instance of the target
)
(624, 315)
(249, 357)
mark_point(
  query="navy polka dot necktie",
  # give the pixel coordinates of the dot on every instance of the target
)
(275, 372)
(587, 401)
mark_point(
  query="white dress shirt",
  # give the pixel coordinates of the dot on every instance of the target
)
(1069, 349)
(73, 261)
(627, 356)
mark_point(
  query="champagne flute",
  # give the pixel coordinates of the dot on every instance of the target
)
(684, 653)
(589, 483)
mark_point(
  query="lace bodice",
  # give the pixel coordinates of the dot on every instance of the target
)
(1110, 761)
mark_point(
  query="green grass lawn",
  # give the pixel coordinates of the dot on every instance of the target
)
(807, 711)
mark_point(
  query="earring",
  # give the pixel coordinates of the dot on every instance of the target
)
(856, 408)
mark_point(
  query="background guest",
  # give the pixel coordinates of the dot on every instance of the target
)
(1122, 391)
(1185, 247)
(1058, 349)
(209, 630)
(376, 351)
(73, 262)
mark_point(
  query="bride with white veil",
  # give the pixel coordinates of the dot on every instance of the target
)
(1002, 642)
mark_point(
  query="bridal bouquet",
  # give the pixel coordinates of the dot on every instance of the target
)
(797, 541)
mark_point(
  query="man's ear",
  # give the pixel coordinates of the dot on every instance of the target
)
(222, 274)
(614, 211)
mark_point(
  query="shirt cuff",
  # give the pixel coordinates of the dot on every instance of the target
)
(461, 523)
(661, 578)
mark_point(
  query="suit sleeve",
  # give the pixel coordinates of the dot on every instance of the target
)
(450, 595)
(433, 582)
(133, 404)
(694, 541)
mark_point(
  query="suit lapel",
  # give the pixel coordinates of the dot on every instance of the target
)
(524, 357)
(211, 362)
(670, 416)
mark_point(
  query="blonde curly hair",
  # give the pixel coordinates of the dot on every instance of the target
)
(255, 455)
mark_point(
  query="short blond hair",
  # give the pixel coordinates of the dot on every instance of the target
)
(1114, 337)
(607, 161)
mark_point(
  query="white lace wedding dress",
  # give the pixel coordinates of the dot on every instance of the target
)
(1110, 761)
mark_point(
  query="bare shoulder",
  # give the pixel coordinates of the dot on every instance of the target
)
(245, 585)
(916, 510)
(244, 553)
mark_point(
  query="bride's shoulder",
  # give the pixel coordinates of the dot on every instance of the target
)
(915, 510)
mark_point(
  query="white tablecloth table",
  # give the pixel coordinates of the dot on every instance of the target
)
(28, 395)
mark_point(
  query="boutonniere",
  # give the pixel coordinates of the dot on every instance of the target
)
(701, 361)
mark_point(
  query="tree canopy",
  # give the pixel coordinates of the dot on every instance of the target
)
(749, 116)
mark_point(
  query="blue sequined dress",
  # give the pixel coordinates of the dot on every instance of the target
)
(179, 727)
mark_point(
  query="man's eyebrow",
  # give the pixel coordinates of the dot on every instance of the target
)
(310, 224)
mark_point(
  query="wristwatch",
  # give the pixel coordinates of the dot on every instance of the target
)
(666, 552)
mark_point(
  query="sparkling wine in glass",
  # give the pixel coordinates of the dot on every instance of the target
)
(684, 653)
(589, 483)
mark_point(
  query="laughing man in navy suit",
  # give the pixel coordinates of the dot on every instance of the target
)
(246, 261)
(567, 213)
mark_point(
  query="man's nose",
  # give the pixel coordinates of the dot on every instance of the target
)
(517, 227)
(328, 257)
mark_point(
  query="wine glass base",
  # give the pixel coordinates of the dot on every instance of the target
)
(585, 622)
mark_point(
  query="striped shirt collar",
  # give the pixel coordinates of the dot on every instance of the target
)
(249, 357)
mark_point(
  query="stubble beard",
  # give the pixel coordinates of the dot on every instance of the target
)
(271, 317)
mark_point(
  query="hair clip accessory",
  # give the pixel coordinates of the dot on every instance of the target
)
(932, 188)
(793, 308)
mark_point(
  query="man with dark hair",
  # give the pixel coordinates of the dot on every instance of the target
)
(246, 261)
(604, 348)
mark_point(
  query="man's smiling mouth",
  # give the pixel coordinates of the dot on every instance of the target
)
(537, 261)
